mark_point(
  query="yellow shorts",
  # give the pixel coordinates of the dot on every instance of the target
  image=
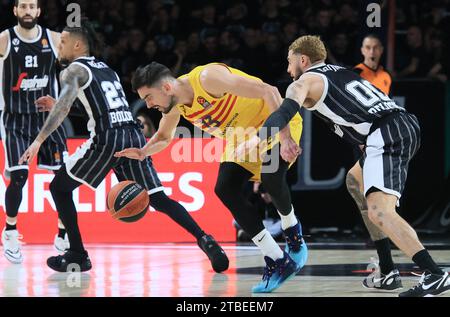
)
(254, 166)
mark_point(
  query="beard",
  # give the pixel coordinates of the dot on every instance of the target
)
(298, 73)
(64, 62)
(172, 103)
(27, 24)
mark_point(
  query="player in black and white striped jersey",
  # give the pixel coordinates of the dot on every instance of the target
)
(112, 129)
(360, 113)
(27, 71)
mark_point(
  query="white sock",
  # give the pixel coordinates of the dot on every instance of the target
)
(268, 246)
(288, 221)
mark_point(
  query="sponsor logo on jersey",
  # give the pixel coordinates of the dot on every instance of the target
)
(44, 43)
(30, 84)
(203, 102)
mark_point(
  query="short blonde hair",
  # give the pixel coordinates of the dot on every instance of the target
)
(311, 46)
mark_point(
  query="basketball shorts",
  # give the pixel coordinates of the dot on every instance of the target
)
(18, 131)
(390, 146)
(95, 159)
(255, 164)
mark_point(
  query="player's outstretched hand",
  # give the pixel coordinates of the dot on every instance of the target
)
(289, 150)
(30, 153)
(45, 103)
(131, 153)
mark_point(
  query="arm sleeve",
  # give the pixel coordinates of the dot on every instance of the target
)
(279, 119)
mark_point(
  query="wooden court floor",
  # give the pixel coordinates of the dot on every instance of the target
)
(173, 270)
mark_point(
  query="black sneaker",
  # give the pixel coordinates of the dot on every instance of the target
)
(216, 255)
(429, 285)
(70, 261)
(378, 280)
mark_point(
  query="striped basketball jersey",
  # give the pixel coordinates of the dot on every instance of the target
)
(103, 97)
(28, 71)
(214, 115)
(349, 103)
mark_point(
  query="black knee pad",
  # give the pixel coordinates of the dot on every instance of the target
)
(19, 178)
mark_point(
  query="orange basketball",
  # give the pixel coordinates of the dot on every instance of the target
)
(127, 201)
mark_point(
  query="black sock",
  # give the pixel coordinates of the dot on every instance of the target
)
(425, 262)
(62, 187)
(177, 212)
(384, 255)
(10, 227)
(61, 233)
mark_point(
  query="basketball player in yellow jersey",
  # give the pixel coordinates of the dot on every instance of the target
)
(221, 100)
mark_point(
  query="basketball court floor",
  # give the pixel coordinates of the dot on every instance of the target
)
(173, 270)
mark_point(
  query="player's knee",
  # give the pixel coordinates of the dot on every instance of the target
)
(222, 189)
(271, 181)
(160, 201)
(19, 178)
(54, 187)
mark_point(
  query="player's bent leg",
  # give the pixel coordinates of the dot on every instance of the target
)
(382, 212)
(387, 277)
(10, 235)
(229, 188)
(76, 258)
(276, 185)
(172, 208)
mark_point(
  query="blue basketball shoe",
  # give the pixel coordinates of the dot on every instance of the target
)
(275, 273)
(296, 246)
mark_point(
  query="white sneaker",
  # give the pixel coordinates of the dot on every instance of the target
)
(11, 246)
(61, 245)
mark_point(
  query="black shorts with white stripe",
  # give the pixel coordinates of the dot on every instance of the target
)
(94, 159)
(391, 145)
(18, 131)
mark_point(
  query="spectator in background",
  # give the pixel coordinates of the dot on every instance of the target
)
(290, 32)
(340, 52)
(323, 26)
(439, 58)
(208, 19)
(275, 59)
(231, 49)
(418, 65)
(271, 19)
(192, 58)
(129, 15)
(209, 49)
(370, 69)
(253, 52)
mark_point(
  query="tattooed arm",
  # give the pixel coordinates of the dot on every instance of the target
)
(71, 80)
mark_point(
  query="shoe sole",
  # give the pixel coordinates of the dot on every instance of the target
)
(382, 289)
(437, 295)
(13, 260)
(278, 286)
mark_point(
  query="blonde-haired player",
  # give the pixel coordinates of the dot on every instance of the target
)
(362, 114)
